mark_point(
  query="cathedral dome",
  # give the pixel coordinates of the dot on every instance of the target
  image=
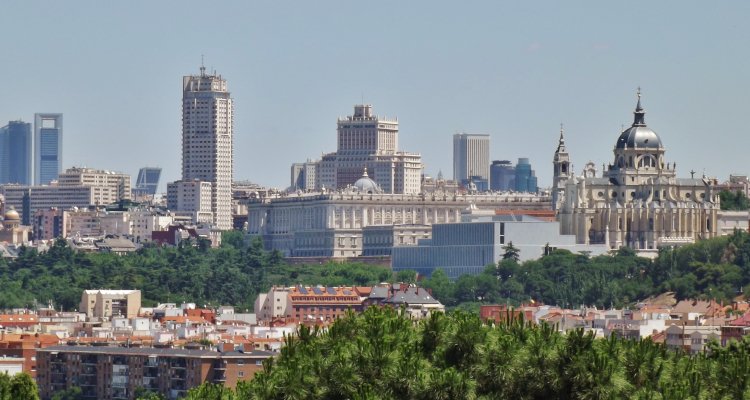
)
(12, 215)
(366, 185)
(638, 136)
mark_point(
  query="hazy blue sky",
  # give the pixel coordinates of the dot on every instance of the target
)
(515, 70)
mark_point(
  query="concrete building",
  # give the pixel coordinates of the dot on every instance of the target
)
(110, 303)
(207, 140)
(16, 153)
(192, 198)
(48, 141)
(116, 372)
(638, 201)
(109, 187)
(365, 141)
(469, 246)
(471, 157)
(46, 197)
(48, 224)
(378, 240)
(330, 224)
(96, 223)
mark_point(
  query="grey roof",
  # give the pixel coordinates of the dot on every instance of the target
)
(412, 295)
(639, 135)
(157, 352)
(379, 292)
(690, 182)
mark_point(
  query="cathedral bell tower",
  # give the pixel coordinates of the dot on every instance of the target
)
(562, 171)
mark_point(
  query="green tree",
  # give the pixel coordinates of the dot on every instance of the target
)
(511, 252)
(73, 393)
(22, 386)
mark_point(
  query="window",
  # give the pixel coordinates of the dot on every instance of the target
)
(240, 374)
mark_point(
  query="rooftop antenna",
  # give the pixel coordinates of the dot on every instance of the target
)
(203, 67)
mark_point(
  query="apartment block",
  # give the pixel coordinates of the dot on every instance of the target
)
(110, 303)
(108, 373)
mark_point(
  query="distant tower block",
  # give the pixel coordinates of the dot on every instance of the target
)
(48, 139)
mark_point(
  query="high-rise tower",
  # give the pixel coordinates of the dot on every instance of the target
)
(561, 173)
(207, 144)
(16, 153)
(48, 137)
(471, 157)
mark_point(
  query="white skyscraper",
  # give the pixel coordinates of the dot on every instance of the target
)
(207, 146)
(471, 156)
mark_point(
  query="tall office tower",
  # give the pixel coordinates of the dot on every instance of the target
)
(16, 153)
(360, 136)
(207, 149)
(502, 176)
(148, 181)
(525, 177)
(48, 139)
(471, 157)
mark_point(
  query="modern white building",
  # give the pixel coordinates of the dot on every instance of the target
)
(469, 246)
(207, 140)
(369, 142)
(471, 156)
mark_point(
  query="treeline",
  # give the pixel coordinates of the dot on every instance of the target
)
(381, 355)
(718, 268)
(233, 274)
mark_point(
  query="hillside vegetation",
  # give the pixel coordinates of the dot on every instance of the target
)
(235, 273)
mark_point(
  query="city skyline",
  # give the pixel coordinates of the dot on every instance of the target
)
(513, 71)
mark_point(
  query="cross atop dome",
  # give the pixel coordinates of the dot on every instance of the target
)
(639, 113)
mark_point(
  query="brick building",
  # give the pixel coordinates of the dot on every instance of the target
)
(104, 372)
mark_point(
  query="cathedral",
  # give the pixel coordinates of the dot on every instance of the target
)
(637, 201)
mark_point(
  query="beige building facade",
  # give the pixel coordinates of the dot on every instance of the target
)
(638, 201)
(105, 304)
(330, 224)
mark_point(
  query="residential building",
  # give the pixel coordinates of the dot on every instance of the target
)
(330, 224)
(468, 247)
(109, 187)
(471, 158)
(193, 198)
(110, 303)
(48, 224)
(313, 304)
(207, 140)
(19, 349)
(48, 141)
(638, 201)
(16, 153)
(147, 182)
(106, 373)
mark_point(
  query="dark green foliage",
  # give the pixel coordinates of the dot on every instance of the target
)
(734, 201)
(381, 355)
(233, 274)
(718, 268)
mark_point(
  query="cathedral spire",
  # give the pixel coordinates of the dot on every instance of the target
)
(561, 143)
(639, 113)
